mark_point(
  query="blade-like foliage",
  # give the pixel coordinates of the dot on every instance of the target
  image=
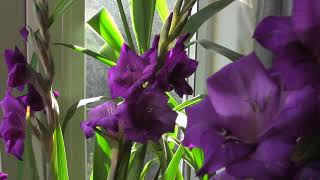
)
(136, 161)
(173, 167)
(189, 102)
(142, 13)
(88, 52)
(196, 20)
(34, 61)
(172, 101)
(228, 53)
(107, 51)
(58, 156)
(147, 168)
(106, 27)
(162, 9)
(101, 159)
(60, 8)
(29, 154)
(73, 108)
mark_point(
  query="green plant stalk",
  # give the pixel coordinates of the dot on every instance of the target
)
(125, 24)
(120, 161)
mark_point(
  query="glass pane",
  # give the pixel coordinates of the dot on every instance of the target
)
(96, 71)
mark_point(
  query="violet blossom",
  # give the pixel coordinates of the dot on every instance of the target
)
(18, 78)
(145, 117)
(177, 67)
(131, 72)
(12, 128)
(245, 115)
(293, 40)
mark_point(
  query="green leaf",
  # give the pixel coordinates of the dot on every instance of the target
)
(173, 168)
(29, 154)
(60, 8)
(196, 20)
(58, 156)
(198, 157)
(162, 9)
(73, 108)
(88, 52)
(172, 101)
(189, 102)
(173, 135)
(107, 51)
(34, 61)
(147, 168)
(137, 160)
(142, 13)
(106, 27)
(101, 159)
(228, 53)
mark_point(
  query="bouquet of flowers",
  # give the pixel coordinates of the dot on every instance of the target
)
(255, 122)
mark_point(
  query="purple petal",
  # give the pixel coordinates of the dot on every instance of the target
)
(18, 76)
(202, 131)
(297, 114)
(275, 32)
(244, 96)
(146, 116)
(56, 94)
(306, 23)
(24, 33)
(12, 128)
(297, 67)
(201, 118)
(176, 69)
(13, 57)
(101, 116)
(266, 162)
(131, 72)
(3, 176)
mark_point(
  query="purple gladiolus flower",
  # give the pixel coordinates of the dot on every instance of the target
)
(18, 78)
(177, 67)
(131, 72)
(3, 176)
(146, 117)
(244, 116)
(294, 42)
(12, 128)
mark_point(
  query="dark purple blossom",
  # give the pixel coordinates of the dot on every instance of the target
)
(245, 115)
(131, 72)
(12, 128)
(177, 67)
(19, 74)
(294, 41)
(145, 117)
(3, 176)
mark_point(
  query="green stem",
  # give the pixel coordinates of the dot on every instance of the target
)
(125, 24)
(120, 161)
